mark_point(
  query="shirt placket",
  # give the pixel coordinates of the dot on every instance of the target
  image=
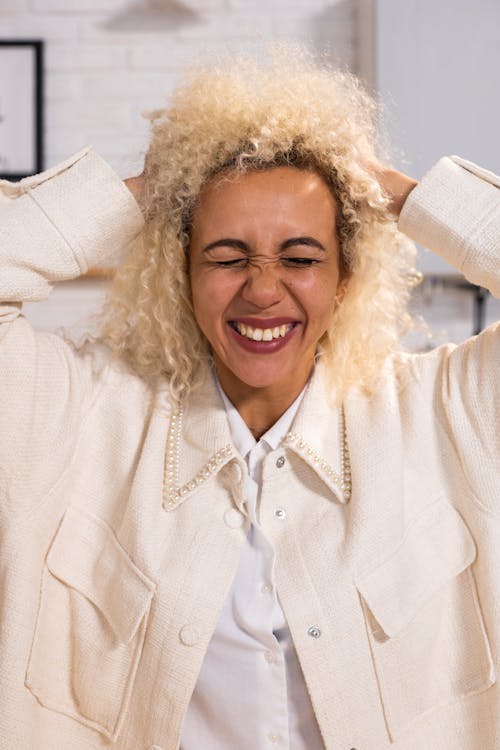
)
(269, 618)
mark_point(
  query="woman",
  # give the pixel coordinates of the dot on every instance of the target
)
(244, 518)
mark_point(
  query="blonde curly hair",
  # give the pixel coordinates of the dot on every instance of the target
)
(243, 115)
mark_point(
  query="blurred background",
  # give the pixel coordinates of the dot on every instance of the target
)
(434, 65)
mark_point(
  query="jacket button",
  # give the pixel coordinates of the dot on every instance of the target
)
(233, 518)
(189, 635)
(280, 513)
(314, 631)
(280, 462)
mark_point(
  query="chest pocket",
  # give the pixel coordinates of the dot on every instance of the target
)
(90, 625)
(424, 622)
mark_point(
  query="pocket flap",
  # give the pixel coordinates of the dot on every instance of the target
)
(87, 556)
(435, 548)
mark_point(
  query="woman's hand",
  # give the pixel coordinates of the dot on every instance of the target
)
(396, 185)
(136, 186)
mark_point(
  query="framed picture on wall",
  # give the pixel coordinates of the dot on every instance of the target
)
(21, 102)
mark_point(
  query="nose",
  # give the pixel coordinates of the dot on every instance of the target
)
(263, 286)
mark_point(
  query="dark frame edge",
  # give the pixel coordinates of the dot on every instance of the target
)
(39, 135)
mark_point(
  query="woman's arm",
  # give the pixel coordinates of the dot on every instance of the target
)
(455, 211)
(53, 226)
(56, 225)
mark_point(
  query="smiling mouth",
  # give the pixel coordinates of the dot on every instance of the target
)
(262, 334)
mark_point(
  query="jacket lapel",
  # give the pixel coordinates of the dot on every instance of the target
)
(385, 487)
(317, 436)
(388, 483)
(198, 443)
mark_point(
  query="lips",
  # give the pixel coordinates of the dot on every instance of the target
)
(262, 335)
(255, 333)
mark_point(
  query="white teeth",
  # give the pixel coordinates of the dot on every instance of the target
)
(262, 334)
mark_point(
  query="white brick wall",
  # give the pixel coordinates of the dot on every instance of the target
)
(109, 60)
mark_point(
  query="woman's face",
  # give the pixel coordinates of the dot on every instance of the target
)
(264, 269)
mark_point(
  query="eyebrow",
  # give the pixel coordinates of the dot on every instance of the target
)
(240, 245)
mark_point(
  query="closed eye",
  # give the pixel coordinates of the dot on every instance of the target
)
(242, 262)
(300, 261)
(234, 263)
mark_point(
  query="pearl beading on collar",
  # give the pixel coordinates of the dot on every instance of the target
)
(342, 479)
(172, 457)
(172, 493)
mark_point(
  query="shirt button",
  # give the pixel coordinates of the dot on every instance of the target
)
(233, 518)
(280, 462)
(314, 631)
(266, 588)
(189, 635)
(273, 737)
(270, 657)
(280, 513)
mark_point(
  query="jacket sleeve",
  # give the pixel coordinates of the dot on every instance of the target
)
(53, 227)
(455, 211)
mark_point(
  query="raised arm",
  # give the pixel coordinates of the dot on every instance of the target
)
(53, 227)
(455, 211)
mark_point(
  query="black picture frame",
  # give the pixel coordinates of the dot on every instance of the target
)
(21, 108)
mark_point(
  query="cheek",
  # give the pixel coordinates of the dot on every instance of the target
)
(317, 297)
(197, 296)
(200, 300)
(210, 295)
(202, 306)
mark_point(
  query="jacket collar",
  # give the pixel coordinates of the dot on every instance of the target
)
(199, 441)
(318, 436)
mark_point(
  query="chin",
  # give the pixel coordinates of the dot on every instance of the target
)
(262, 382)
(260, 377)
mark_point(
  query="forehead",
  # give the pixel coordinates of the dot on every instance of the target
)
(280, 194)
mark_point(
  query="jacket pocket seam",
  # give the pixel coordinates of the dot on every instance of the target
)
(36, 680)
(461, 664)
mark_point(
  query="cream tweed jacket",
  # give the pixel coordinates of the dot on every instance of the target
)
(121, 521)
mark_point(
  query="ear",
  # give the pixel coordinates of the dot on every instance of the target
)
(341, 290)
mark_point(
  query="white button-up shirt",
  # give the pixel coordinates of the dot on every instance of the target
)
(251, 692)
